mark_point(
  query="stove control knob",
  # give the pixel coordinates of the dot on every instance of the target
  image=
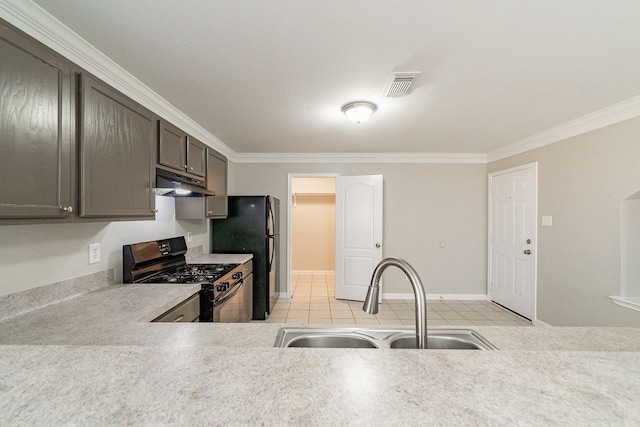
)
(222, 287)
(237, 275)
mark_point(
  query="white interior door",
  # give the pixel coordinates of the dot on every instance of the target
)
(513, 239)
(358, 234)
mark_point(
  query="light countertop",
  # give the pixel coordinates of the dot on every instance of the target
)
(95, 359)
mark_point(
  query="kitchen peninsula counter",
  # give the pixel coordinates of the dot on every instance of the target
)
(95, 359)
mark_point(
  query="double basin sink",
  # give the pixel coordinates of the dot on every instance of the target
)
(437, 339)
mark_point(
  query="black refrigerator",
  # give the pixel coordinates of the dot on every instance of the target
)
(252, 226)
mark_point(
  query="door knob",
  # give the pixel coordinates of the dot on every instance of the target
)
(527, 252)
(377, 245)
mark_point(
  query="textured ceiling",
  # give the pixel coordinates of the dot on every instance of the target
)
(272, 76)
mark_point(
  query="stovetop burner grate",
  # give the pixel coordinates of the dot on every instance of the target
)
(193, 273)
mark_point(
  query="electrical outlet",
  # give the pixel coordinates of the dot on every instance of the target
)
(188, 236)
(94, 253)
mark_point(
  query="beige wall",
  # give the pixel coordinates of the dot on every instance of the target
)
(313, 224)
(423, 205)
(313, 232)
(582, 182)
(313, 185)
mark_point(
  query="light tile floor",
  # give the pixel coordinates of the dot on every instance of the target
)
(313, 301)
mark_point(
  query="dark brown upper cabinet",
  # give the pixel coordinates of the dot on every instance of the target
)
(172, 147)
(213, 207)
(216, 206)
(117, 154)
(181, 152)
(196, 157)
(37, 129)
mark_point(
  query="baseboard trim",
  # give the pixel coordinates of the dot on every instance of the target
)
(396, 296)
(444, 297)
(537, 322)
(312, 272)
(632, 303)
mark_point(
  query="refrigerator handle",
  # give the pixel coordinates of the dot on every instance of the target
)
(272, 226)
(273, 251)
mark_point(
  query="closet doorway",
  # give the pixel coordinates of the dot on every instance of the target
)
(312, 226)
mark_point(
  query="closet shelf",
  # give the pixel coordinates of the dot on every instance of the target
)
(294, 196)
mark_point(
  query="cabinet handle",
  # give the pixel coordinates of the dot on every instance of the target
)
(209, 212)
(154, 210)
(191, 168)
(186, 166)
(68, 209)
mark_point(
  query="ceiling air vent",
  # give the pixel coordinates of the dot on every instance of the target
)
(398, 83)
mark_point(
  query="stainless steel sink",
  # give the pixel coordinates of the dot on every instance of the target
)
(439, 343)
(331, 341)
(437, 339)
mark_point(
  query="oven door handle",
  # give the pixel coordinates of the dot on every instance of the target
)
(228, 294)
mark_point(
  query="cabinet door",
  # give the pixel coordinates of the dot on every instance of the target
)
(117, 152)
(36, 130)
(172, 147)
(216, 206)
(196, 157)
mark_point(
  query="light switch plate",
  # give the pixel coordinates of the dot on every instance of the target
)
(94, 253)
(547, 220)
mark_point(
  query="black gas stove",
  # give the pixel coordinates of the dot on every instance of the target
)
(192, 273)
(164, 261)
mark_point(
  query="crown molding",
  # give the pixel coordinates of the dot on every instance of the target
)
(360, 158)
(39, 24)
(610, 115)
(42, 26)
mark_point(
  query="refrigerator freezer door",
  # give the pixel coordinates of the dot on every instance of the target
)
(246, 230)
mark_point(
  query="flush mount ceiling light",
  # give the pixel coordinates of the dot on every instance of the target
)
(359, 111)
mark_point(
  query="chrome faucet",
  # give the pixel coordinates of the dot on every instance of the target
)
(371, 301)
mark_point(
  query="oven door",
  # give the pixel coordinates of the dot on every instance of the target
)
(229, 306)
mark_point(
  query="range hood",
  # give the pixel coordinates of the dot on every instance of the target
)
(173, 184)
